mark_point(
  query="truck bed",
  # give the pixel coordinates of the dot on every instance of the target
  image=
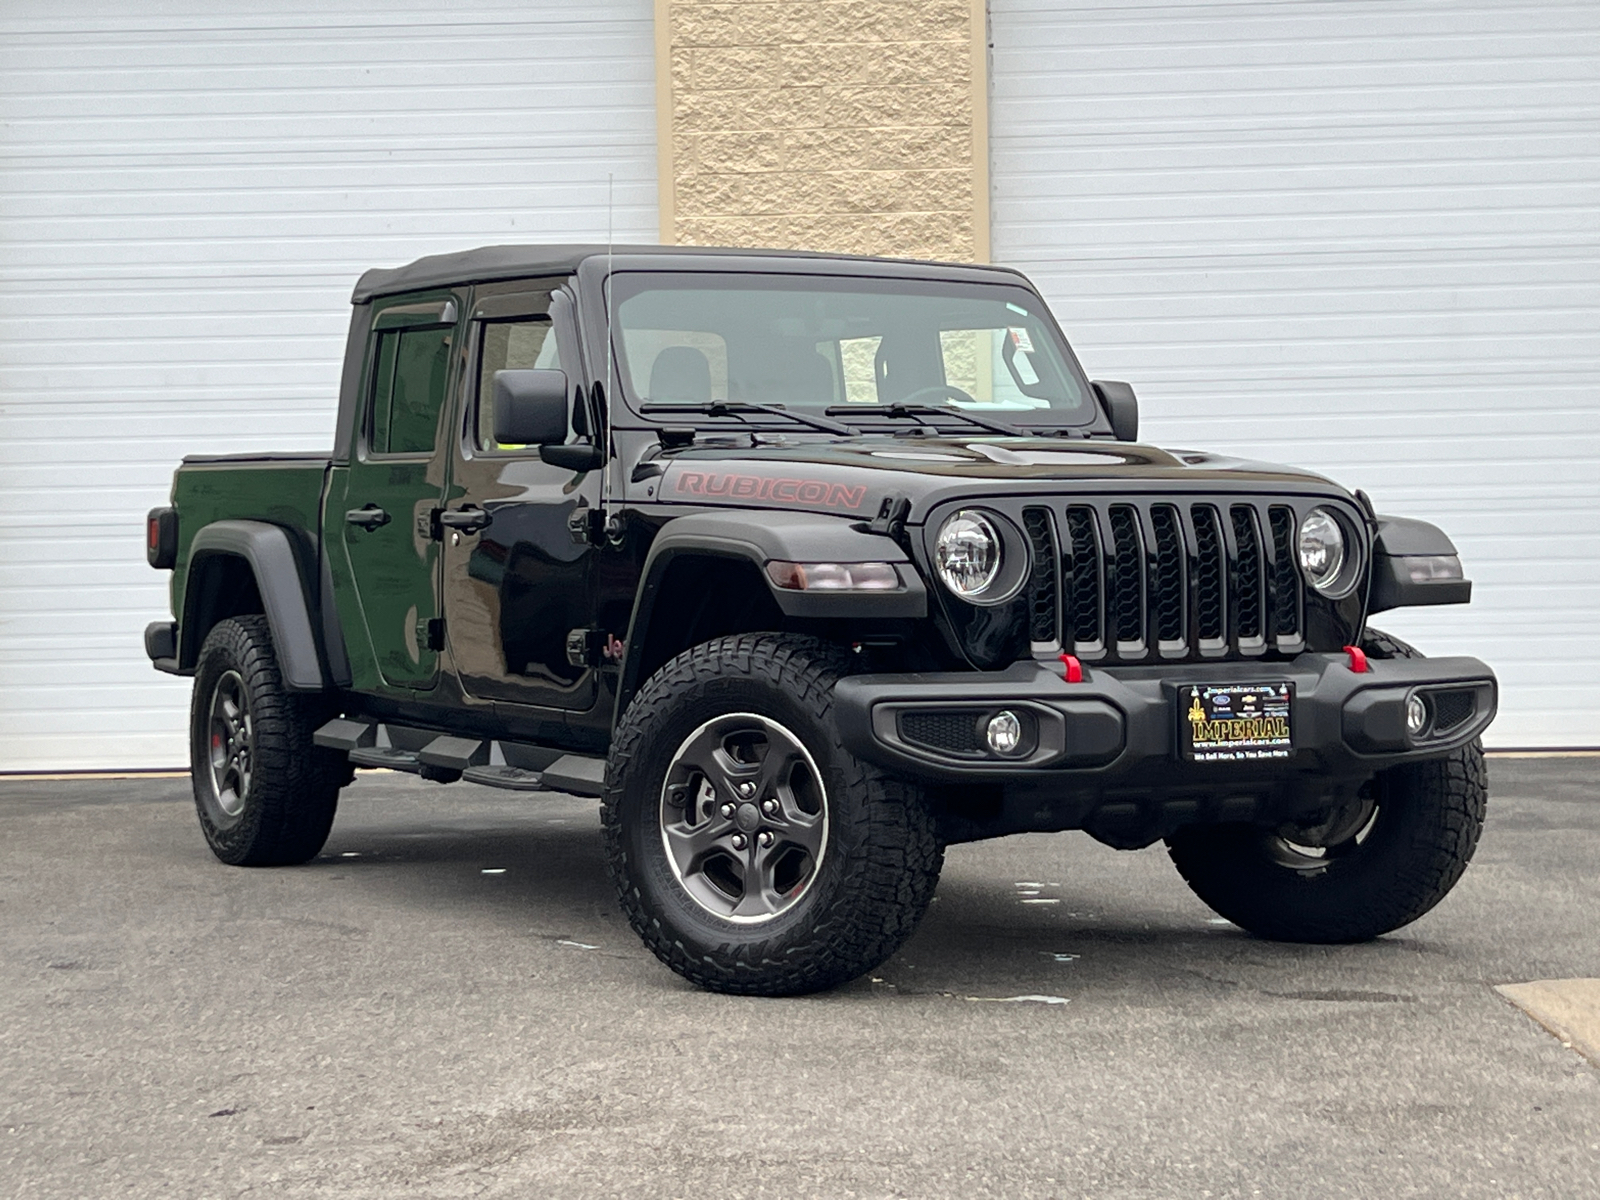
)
(280, 489)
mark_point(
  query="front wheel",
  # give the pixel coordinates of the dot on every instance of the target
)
(752, 852)
(1380, 864)
(264, 793)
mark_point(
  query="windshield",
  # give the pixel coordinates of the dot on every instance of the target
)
(815, 343)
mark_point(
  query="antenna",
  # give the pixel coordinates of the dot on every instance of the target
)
(609, 481)
(610, 242)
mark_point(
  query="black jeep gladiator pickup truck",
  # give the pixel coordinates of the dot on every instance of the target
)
(809, 566)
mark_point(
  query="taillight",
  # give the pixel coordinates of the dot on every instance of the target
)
(161, 538)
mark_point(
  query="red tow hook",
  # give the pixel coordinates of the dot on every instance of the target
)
(1358, 659)
(1073, 669)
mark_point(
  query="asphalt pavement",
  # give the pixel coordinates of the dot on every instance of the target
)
(448, 1003)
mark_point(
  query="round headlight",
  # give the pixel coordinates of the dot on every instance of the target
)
(967, 554)
(1321, 549)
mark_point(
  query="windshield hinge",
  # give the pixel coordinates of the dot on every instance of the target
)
(586, 525)
(674, 436)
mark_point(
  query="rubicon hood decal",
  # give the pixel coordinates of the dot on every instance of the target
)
(850, 477)
(790, 491)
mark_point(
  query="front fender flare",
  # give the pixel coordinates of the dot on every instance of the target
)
(760, 538)
(270, 555)
(1397, 540)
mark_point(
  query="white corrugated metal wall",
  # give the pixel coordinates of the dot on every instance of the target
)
(187, 194)
(1358, 236)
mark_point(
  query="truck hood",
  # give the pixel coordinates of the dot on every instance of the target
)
(855, 475)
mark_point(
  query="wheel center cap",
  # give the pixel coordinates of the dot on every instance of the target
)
(747, 816)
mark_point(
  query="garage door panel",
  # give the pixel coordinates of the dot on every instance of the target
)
(1359, 237)
(187, 196)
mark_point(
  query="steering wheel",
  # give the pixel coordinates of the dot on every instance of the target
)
(943, 389)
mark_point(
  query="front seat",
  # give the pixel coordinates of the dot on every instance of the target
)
(808, 379)
(680, 375)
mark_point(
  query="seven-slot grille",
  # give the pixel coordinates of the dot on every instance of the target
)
(1153, 581)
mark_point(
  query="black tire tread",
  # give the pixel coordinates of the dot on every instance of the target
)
(294, 786)
(892, 840)
(1436, 815)
(1375, 643)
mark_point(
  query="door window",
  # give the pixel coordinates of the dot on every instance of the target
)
(525, 343)
(410, 370)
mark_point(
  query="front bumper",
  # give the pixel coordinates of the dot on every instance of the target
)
(1119, 727)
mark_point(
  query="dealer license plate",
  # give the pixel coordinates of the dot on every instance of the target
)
(1236, 722)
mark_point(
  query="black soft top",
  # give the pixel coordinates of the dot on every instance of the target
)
(512, 262)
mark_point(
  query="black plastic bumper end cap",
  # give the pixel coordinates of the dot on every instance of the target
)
(161, 640)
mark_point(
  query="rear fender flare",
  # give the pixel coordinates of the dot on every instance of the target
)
(270, 555)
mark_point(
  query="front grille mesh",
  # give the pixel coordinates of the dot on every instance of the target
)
(1249, 573)
(1210, 573)
(1042, 585)
(951, 732)
(1083, 572)
(1127, 573)
(1168, 574)
(1452, 708)
(1144, 581)
(1286, 579)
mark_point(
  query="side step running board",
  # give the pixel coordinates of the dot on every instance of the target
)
(342, 733)
(576, 774)
(513, 779)
(454, 753)
(386, 756)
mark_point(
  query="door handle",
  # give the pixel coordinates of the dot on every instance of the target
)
(369, 516)
(469, 519)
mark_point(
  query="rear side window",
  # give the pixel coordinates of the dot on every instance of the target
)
(411, 368)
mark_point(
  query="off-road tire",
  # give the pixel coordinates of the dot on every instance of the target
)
(1429, 815)
(1375, 643)
(882, 857)
(286, 811)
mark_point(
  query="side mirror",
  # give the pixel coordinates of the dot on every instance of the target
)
(530, 407)
(1121, 406)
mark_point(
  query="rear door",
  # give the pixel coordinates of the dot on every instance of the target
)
(396, 481)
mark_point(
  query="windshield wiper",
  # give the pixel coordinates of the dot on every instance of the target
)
(907, 411)
(735, 408)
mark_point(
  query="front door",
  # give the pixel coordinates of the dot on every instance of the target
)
(516, 588)
(396, 482)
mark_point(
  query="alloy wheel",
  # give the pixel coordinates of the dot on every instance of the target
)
(231, 746)
(744, 818)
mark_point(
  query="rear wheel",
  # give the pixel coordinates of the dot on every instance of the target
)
(1379, 864)
(265, 794)
(752, 852)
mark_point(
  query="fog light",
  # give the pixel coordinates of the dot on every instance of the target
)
(1004, 733)
(1416, 715)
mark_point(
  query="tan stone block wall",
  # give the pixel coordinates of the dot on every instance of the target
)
(845, 125)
